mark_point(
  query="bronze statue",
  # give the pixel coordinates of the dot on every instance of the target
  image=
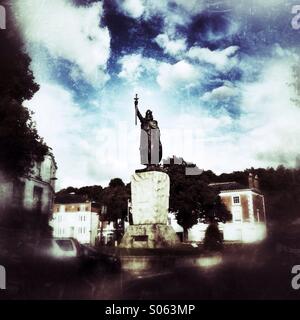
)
(150, 145)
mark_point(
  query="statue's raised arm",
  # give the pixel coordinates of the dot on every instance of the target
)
(137, 111)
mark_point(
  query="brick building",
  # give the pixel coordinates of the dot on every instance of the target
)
(247, 206)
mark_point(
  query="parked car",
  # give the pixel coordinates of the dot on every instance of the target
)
(56, 257)
(59, 248)
(69, 252)
(102, 261)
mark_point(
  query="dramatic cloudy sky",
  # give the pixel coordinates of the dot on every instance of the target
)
(218, 76)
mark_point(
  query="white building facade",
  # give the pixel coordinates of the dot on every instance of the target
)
(106, 233)
(76, 220)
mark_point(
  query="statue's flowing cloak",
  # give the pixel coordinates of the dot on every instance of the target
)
(150, 144)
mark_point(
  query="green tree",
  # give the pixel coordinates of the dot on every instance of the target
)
(215, 211)
(20, 144)
(191, 198)
(115, 199)
(91, 193)
(213, 240)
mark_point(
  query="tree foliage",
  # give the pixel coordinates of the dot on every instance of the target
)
(213, 240)
(91, 193)
(20, 144)
(115, 198)
(192, 199)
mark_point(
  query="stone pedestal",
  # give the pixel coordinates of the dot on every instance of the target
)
(150, 203)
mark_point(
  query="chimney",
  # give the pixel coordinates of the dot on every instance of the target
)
(250, 180)
(256, 182)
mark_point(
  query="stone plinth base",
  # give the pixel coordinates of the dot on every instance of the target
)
(150, 197)
(150, 203)
(149, 236)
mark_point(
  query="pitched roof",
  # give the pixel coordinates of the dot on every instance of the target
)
(231, 186)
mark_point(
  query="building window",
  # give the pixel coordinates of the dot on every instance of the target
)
(257, 215)
(38, 169)
(236, 199)
(18, 194)
(37, 198)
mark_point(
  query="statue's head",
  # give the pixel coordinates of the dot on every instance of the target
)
(149, 115)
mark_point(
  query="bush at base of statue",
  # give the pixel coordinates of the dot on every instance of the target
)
(213, 240)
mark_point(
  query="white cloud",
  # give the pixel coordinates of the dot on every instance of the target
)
(221, 93)
(179, 75)
(173, 12)
(172, 47)
(222, 59)
(133, 8)
(67, 32)
(133, 66)
(60, 121)
(266, 134)
(270, 116)
(86, 152)
(92, 148)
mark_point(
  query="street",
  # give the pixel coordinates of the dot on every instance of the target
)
(250, 272)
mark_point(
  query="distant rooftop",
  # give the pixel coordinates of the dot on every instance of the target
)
(231, 185)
